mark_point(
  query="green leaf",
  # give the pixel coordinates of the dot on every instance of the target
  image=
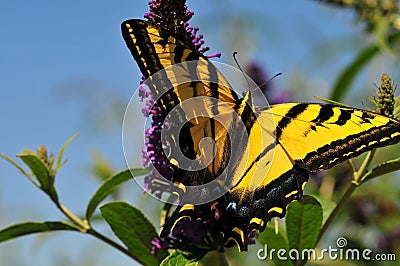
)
(269, 240)
(101, 167)
(27, 228)
(41, 172)
(330, 101)
(385, 168)
(327, 207)
(348, 75)
(303, 222)
(61, 153)
(134, 230)
(38, 169)
(177, 258)
(19, 168)
(214, 258)
(109, 185)
(381, 29)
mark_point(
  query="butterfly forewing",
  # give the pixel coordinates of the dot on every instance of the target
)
(321, 136)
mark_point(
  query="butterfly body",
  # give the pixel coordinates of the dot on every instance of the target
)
(264, 165)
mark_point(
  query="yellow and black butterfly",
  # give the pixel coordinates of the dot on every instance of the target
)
(304, 137)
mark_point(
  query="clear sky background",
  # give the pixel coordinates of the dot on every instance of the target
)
(64, 69)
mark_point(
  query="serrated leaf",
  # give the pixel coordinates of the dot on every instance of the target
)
(109, 186)
(134, 230)
(41, 172)
(270, 240)
(303, 222)
(27, 228)
(177, 258)
(384, 168)
(38, 168)
(327, 207)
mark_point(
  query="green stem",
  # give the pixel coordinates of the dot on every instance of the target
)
(332, 215)
(351, 165)
(385, 168)
(85, 227)
(105, 239)
(358, 178)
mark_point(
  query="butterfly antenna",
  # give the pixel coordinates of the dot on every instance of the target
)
(234, 58)
(248, 83)
(268, 81)
(276, 75)
(244, 74)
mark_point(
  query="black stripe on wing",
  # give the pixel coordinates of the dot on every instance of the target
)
(353, 145)
(137, 38)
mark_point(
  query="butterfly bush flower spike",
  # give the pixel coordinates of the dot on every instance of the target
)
(174, 16)
(385, 99)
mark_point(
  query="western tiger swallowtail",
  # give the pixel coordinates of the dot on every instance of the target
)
(308, 137)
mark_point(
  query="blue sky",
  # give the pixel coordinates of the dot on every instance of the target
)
(64, 67)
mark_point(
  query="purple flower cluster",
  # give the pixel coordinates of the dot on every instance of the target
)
(154, 157)
(174, 16)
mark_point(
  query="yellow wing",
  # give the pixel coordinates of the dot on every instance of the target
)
(318, 136)
(157, 52)
(309, 137)
(154, 49)
(268, 168)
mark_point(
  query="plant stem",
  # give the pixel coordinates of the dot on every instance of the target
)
(332, 215)
(85, 227)
(351, 165)
(358, 176)
(357, 180)
(105, 239)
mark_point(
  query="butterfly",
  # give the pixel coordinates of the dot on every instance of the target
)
(266, 165)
